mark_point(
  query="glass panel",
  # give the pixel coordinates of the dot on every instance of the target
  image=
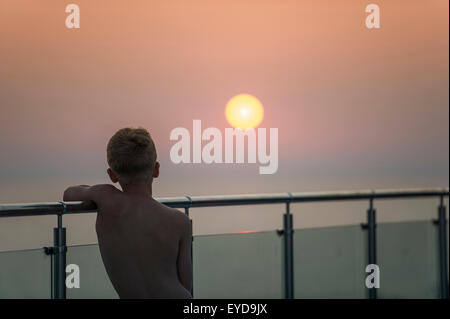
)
(94, 281)
(329, 262)
(25, 274)
(408, 259)
(244, 265)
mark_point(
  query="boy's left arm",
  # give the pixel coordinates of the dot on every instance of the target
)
(96, 193)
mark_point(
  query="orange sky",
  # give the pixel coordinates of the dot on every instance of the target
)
(354, 107)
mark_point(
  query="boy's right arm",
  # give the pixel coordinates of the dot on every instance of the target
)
(97, 193)
(184, 261)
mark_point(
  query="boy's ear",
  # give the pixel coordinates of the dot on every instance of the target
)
(112, 176)
(156, 170)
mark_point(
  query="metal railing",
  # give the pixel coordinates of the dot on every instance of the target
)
(188, 202)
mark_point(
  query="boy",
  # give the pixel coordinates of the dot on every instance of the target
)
(145, 245)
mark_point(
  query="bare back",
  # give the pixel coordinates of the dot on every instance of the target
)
(140, 241)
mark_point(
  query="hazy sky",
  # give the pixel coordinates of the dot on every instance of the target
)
(355, 108)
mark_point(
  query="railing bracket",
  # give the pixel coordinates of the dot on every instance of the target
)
(364, 226)
(49, 250)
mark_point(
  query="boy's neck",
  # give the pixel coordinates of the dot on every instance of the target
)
(142, 189)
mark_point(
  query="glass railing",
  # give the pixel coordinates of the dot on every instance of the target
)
(244, 265)
(94, 281)
(25, 274)
(329, 263)
(291, 262)
(408, 259)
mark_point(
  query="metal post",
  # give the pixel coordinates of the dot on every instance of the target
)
(59, 273)
(288, 254)
(371, 227)
(186, 210)
(443, 249)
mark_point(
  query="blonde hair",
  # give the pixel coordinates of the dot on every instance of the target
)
(131, 154)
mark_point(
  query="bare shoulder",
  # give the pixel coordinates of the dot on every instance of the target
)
(178, 218)
(104, 190)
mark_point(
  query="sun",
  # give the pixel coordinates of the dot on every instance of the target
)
(244, 111)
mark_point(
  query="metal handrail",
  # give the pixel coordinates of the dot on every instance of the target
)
(187, 202)
(54, 208)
